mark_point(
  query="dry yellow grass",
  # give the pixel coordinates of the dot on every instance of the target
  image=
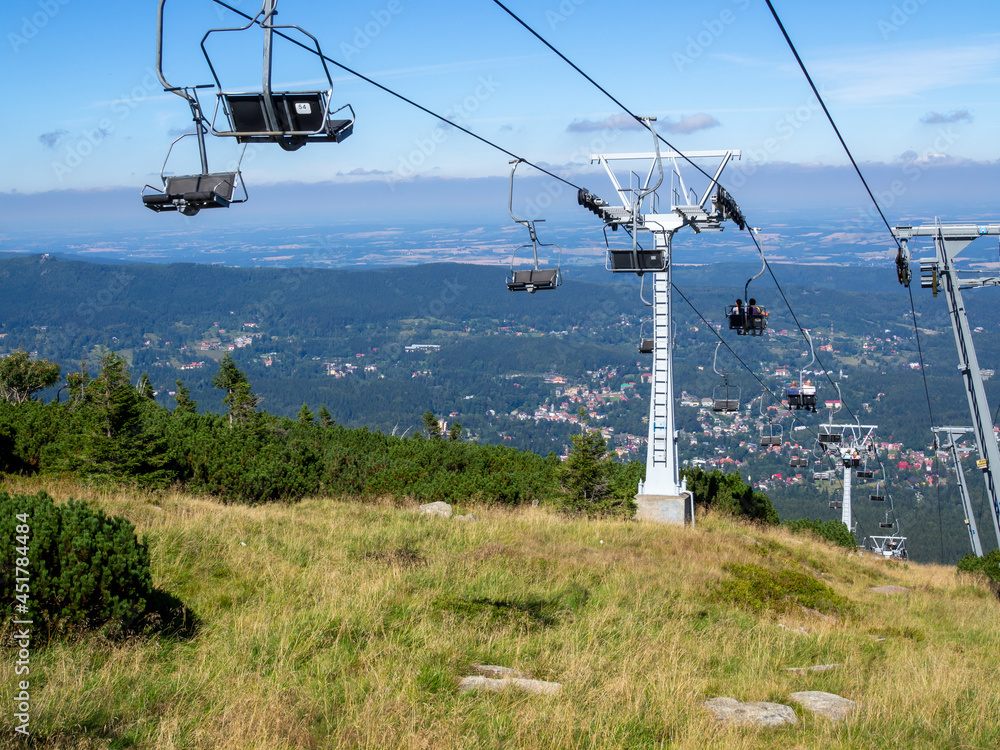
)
(341, 624)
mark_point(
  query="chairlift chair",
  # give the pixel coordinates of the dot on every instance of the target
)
(646, 342)
(837, 504)
(865, 473)
(631, 258)
(535, 277)
(771, 439)
(801, 393)
(190, 193)
(722, 400)
(828, 436)
(751, 319)
(877, 496)
(289, 118)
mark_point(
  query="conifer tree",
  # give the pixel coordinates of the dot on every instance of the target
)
(304, 415)
(431, 425)
(116, 445)
(145, 388)
(240, 399)
(325, 418)
(183, 401)
(584, 474)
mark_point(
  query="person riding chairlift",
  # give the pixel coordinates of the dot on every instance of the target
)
(808, 389)
(738, 316)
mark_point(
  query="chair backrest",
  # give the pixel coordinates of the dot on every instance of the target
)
(222, 184)
(297, 112)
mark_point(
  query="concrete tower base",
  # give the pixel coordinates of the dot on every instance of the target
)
(675, 509)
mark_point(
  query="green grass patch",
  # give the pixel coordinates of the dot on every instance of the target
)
(758, 589)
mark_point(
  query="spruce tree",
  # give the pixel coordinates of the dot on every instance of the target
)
(183, 402)
(431, 425)
(116, 444)
(304, 415)
(242, 401)
(325, 418)
(145, 388)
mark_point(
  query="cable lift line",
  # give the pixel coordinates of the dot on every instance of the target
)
(939, 273)
(603, 209)
(740, 220)
(190, 193)
(289, 118)
(536, 277)
(277, 32)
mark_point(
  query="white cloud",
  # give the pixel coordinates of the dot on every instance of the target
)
(904, 73)
(690, 124)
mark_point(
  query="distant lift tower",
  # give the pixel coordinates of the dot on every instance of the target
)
(949, 241)
(948, 440)
(856, 445)
(662, 497)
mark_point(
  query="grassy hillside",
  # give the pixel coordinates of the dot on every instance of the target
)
(331, 624)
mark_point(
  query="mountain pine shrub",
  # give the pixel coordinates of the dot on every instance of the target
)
(85, 568)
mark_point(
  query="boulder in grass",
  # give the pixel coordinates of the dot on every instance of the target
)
(478, 684)
(829, 705)
(440, 509)
(731, 711)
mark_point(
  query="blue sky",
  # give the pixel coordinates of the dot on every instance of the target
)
(913, 85)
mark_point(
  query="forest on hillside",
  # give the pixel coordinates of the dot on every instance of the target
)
(339, 340)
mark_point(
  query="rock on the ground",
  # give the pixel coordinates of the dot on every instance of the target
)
(499, 673)
(824, 704)
(440, 508)
(469, 517)
(539, 687)
(890, 589)
(731, 711)
(817, 668)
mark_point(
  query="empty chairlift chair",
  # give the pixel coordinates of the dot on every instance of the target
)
(190, 193)
(877, 496)
(289, 118)
(535, 277)
(770, 436)
(725, 398)
(646, 342)
(829, 437)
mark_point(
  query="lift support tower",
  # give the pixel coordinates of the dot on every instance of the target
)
(662, 496)
(949, 241)
(948, 438)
